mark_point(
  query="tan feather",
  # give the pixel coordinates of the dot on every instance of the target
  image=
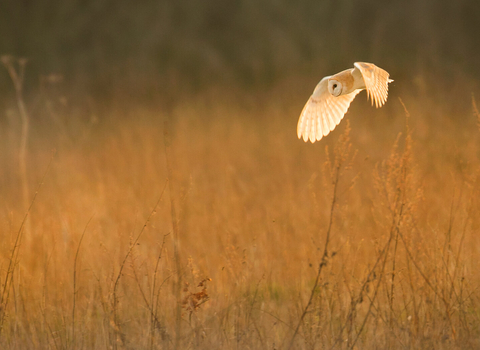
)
(376, 82)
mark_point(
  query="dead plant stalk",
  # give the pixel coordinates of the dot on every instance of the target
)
(18, 77)
(75, 281)
(14, 255)
(119, 275)
(176, 253)
(341, 156)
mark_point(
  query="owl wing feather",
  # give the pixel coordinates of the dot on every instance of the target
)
(376, 82)
(322, 112)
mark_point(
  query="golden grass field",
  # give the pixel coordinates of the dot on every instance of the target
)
(241, 261)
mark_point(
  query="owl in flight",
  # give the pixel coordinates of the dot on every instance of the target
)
(332, 97)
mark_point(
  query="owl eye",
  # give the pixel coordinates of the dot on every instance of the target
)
(334, 86)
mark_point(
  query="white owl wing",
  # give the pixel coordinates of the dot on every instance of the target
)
(376, 82)
(322, 112)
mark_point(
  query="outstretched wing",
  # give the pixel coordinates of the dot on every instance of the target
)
(322, 112)
(376, 82)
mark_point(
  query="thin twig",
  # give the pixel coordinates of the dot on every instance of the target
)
(323, 263)
(176, 243)
(132, 245)
(155, 296)
(17, 78)
(75, 280)
(475, 111)
(15, 251)
(341, 155)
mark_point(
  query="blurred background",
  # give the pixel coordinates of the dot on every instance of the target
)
(231, 78)
(159, 51)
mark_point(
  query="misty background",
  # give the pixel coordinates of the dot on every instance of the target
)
(160, 51)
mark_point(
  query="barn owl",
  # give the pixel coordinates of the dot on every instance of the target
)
(332, 97)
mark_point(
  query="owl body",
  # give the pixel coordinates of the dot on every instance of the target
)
(348, 81)
(332, 97)
(358, 77)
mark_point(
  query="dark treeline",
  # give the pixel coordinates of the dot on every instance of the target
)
(167, 46)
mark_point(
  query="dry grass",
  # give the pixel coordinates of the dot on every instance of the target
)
(111, 265)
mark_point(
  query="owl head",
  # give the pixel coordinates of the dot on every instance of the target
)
(335, 87)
